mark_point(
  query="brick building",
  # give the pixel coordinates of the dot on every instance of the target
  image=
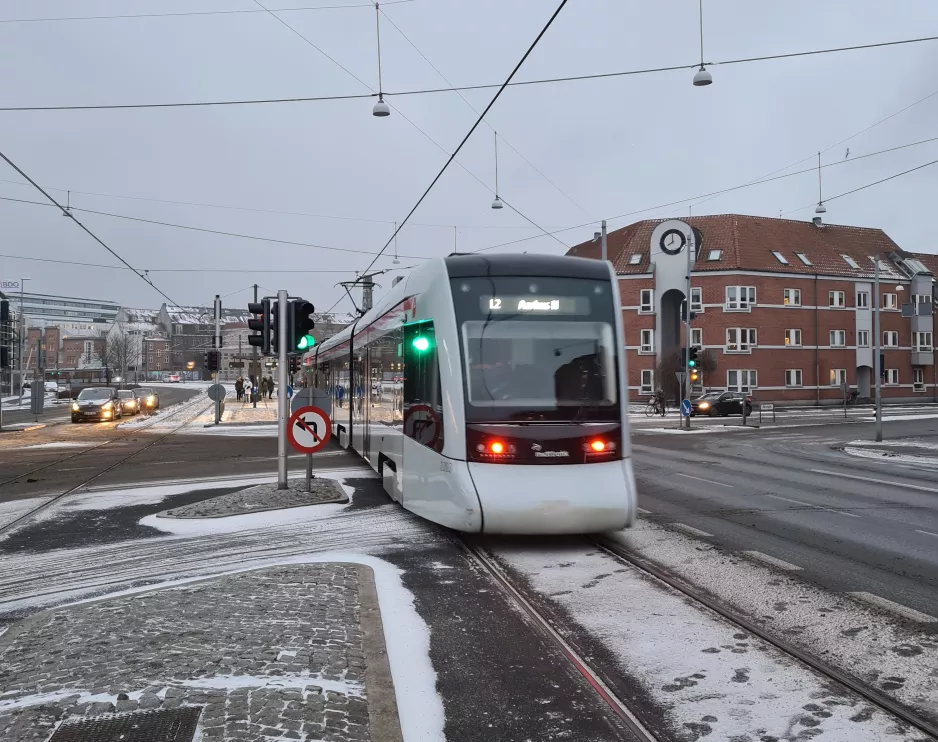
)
(782, 308)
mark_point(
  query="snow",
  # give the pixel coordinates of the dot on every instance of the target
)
(698, 667)
(61, 444)
(287, 680)
(902, 417)
(231, 429)
(678, 431)
(904, 443)
(13, 509)
(928, 462)
(823, 622)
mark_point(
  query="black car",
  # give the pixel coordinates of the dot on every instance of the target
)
(96, 403)
(721, 403)
(149, 399)
(130, 403)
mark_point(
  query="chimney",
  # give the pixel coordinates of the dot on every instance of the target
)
(817, 221)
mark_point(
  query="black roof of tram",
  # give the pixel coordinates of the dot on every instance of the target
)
(513, 264)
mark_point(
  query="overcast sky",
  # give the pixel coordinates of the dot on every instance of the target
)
(612, 146)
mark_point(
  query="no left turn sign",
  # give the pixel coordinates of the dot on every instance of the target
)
(309, 429)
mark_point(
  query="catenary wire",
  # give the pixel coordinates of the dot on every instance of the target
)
(71, 216)
(472, 129)
(196, 13)
(476, 112)
(487, 86)
(209, 231)
(868, 185)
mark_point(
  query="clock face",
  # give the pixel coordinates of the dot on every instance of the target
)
(672, 242)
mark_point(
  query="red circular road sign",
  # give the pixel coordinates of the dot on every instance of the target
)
(309, 429)
(422, 424)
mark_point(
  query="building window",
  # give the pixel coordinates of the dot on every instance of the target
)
(892, 376)
(792, 297)
(891, 339)
(779, 257)
(793, 337)
(696, 300)
(921, 299)
(918, 379)
(838, 376)
(838, 338)
(921, 341)
(740, 297)
(837, 298)
(851, 262)
(714, 255)
(804, 259)
(863, 299)
(648, 381)
(647, 301)
(741, 380)
(635, 258)
(696, 336)
(648, 341)
(863, 338)
(793, 377)
(740, 339)
(890, 301)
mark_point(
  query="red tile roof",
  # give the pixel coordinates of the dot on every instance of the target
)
(747, 243)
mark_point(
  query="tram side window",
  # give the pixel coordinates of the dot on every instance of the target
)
(423, 395)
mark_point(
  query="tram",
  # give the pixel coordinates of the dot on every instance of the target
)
(489, 394)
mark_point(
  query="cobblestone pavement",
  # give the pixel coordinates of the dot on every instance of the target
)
(239, 412)
(261, 497)
(276, 654)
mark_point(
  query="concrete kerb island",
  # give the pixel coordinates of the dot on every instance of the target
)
(290, 652)
(261, 498)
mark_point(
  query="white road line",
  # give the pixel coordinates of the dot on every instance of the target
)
(773, 561)
(691, 530)
(701, 479)
(888, 605)
(878, 481)
(643, 511)
(927, 533)
(816, 507)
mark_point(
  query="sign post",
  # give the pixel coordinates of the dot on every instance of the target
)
(282, 403)
(308, 431)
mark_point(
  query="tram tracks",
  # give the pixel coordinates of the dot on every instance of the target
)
(605, 686)
(194, 411)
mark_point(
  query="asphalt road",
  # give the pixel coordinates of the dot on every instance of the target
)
(850, 524)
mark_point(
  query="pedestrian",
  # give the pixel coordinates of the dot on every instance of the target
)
(239, 388)
(270, 387)
(263, 387)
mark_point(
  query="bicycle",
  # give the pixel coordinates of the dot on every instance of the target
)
(656, 406)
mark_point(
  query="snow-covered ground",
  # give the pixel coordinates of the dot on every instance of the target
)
(917, 452)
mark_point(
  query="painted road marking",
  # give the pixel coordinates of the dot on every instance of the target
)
(902, 610)
(816, 507)
(878, 481)
(701, 479)
(773, 561)
(644, 512)
(691, 530)
(927, 533)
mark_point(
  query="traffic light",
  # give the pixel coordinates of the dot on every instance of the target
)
(692, 356)
(301, 326)
(260, 322)
(275, 328)
(211, 360)
(694, 375)
(4, 311)
(4, 357)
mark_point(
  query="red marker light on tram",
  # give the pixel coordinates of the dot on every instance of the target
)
(598, 446)
(497, 447)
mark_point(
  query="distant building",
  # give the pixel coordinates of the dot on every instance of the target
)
(784, 309)
(45, 310)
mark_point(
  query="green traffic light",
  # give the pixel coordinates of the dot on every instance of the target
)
(692, 363)
(306, 342)
(421, 344)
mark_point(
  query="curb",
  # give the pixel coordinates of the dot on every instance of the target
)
(379, 684)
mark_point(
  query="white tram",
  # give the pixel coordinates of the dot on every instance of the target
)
(489, 393)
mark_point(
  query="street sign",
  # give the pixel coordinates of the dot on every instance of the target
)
(309, 429)
(767, 407)
(217, 393)
(37, 397)
(236, 364)
(681, 376)
(422, 424)
(289, 392)
(685, 407)
(311, 397)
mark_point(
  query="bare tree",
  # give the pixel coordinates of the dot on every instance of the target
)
(118, 349)
(665, 375)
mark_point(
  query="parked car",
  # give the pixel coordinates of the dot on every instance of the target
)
(174, 378)
(129, 401)
(721, 403)
(149, 399)
(96, 403)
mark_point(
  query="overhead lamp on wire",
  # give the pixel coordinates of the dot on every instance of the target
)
(68, 204)
(702, 76)
(396, 261)
(381, 108)
(821, 208)
(497, 203)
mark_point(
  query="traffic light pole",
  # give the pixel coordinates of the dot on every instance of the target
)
(216, 345)
(687, 344)
(282, 328)
(255, 366)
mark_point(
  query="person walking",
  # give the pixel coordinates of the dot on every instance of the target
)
(270, 387)
(239, 388)
(263, 389)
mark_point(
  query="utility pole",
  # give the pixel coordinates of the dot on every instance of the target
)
(22, 323)
(216, 345)
(877, 366)
(605, 254)
(255, 371)
(691, 247)
(282, 371)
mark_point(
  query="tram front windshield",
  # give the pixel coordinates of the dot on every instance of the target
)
(537, 349)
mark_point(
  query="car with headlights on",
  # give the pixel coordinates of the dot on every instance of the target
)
(149, 399)
(721, 403)
(96, 403)
(129, 401)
